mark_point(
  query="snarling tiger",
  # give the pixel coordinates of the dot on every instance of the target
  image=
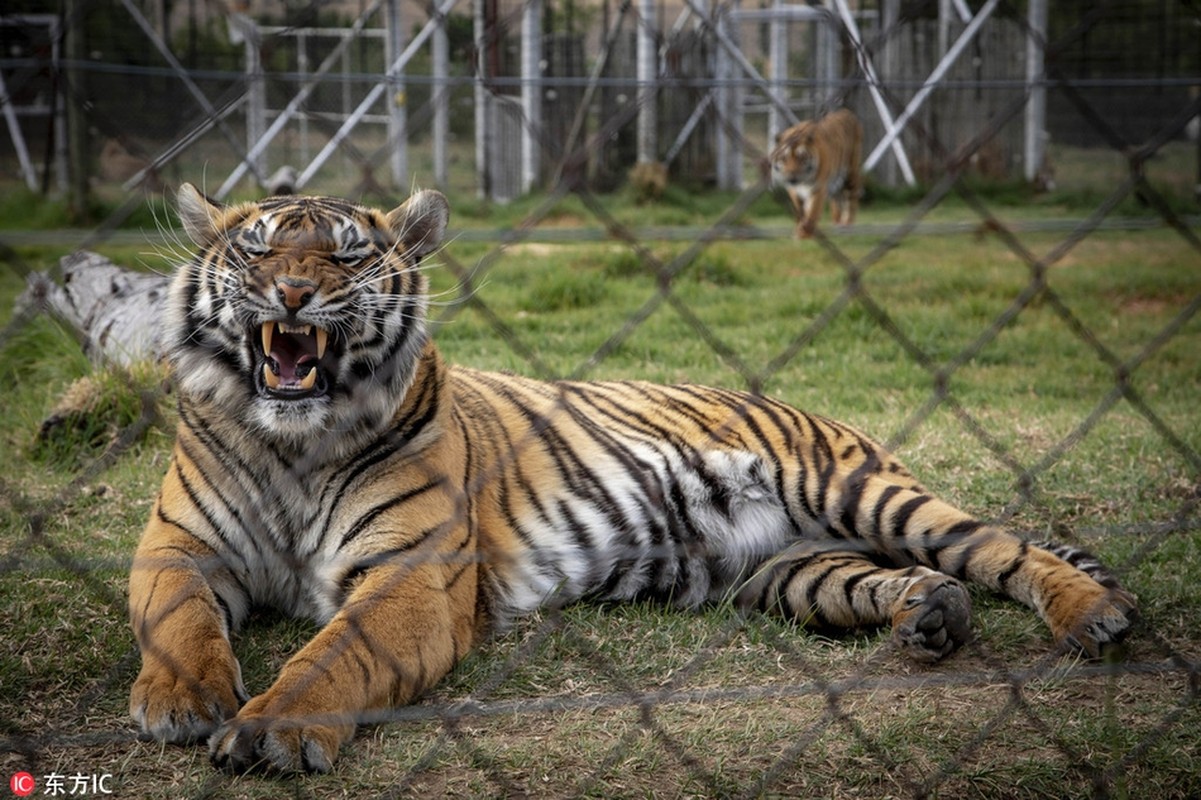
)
(329, 463)
(816, 158)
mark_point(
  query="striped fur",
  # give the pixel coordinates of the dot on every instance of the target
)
(410, 507)
(816, 159)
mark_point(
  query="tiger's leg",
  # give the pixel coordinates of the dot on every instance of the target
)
(1083, 606)
(854, 182)
(190, 680)
(837, 208)
(813, 209)
(394, 637)
(820, 584)
(850, 199)
(799, 200)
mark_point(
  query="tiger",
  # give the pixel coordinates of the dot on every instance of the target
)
(330, 463)
(819, 157)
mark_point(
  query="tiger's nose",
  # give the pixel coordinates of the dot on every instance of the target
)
(295, 292)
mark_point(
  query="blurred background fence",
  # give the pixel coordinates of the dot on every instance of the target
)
(107, 105)
(498, 98)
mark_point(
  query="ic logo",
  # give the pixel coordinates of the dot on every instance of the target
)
(22, 784)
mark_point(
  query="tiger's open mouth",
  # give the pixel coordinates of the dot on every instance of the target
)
(291, 366)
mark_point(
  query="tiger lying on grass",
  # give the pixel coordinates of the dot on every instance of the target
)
(329, 463)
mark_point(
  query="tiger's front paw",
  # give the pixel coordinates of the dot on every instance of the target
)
(1095, 620)
(257, 741)
(932, 619)
(184, 705)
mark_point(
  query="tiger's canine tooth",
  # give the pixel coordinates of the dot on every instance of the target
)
(322, 338)
(270, 378)
(309, 380)
(268, 335)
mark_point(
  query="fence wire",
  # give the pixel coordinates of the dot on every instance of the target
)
(210, 129)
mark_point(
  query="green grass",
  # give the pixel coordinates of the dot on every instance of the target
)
(638, 701)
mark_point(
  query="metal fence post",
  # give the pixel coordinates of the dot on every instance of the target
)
(531, 92)
(256, 103)
(1036, 105)
(440, 97)
(778, 57)
(398, 135)
(648, 73)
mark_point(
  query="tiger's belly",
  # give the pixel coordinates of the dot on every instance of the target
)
(679, 526)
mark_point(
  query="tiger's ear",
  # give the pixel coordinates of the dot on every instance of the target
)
(419, 223)
(197, 213)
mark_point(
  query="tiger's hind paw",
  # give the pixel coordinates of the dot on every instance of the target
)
(932, 619)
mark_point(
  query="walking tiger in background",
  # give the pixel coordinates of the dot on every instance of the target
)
(819, 157)
(329, 463)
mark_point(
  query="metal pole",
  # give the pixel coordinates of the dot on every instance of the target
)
(61, 153)
(186, 79)
(18, 139)
(255, 100)
(357, 115)
(441, 99)
(482, 186)
(736, 96)
(890, 55)
(927, 87)
(894, 130)
(598, 70)
(778, 56)
(293, 107)
(302, 66)
(721, 72)
(77, 121)
(1034, 146)
(531, 91)
(398, 138)
(873, 85)
(829, 48)
(647, 69)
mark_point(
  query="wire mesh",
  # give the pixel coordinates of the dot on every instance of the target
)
(648, 721)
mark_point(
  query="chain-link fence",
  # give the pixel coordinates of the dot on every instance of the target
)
(531, 116)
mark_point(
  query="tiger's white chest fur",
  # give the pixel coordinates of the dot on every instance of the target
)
(272, 531)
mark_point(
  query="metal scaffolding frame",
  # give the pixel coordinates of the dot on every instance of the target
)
(734, 80)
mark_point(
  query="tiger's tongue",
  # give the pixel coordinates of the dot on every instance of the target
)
(290, 354)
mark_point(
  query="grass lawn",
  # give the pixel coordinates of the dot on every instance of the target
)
(1066, 408)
